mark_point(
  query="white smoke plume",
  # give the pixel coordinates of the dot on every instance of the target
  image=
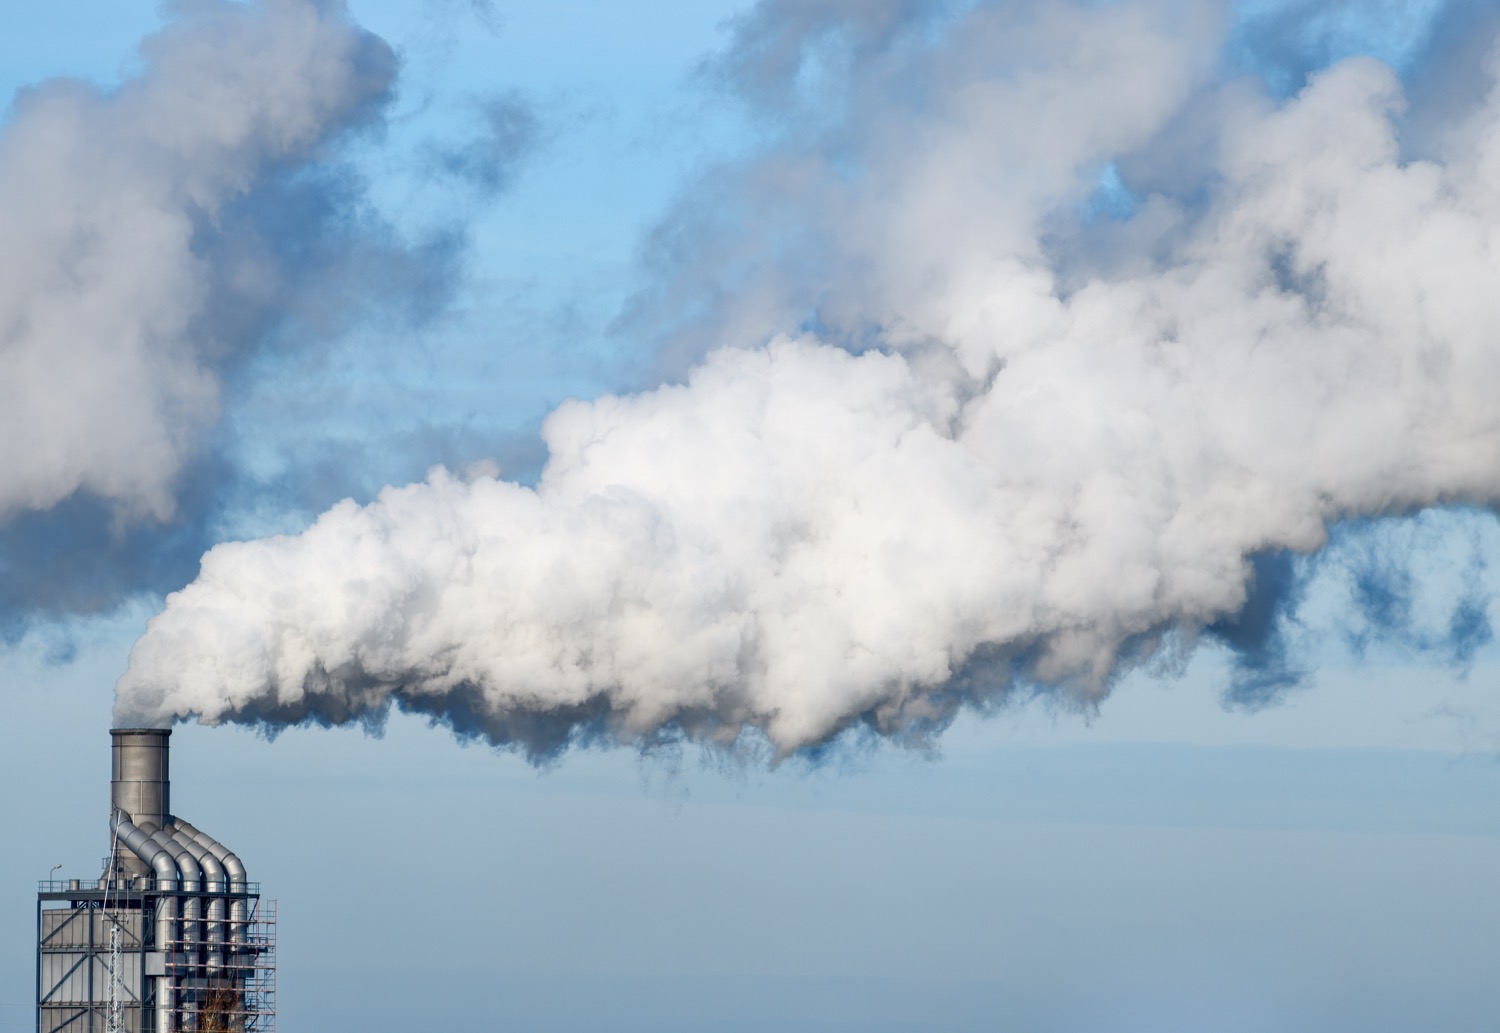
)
(1022, 437)
(114, 248)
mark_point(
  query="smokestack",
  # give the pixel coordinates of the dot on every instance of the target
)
(171, 936)
(140, 782)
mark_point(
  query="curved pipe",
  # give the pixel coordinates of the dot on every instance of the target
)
(238, 878)
(187, 865)
(165, 866)
(140, 844)
(239, 912)
(215, 878)
(216, 885)
(192, 906)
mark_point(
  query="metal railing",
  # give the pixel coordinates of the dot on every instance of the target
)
(145, 884)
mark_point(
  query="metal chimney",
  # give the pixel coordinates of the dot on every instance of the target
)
(140, 783)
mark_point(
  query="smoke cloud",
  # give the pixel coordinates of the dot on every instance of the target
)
(133, 268)
(1026, 360)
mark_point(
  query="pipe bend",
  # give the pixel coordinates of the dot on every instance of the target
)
(215, 878)
(140, 843)
(212, 908)
(187, 864)
(233, 867)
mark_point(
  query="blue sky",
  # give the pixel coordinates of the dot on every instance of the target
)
(1295, 835)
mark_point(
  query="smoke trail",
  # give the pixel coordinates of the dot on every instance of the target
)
(132, 267)
(1019, 438)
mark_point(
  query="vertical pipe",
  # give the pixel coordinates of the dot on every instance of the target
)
(238, 886)
(166, 985)
(168, 882)
(191, 911)
(216, 886)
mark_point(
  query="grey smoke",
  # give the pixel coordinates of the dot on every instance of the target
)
(929, 448)
(131, 269)
(177, 241)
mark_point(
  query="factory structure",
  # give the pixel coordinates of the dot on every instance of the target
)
(171, 937)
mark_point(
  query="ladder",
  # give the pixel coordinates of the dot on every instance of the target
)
(116, 1021)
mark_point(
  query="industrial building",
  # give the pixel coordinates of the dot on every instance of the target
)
(171, 936)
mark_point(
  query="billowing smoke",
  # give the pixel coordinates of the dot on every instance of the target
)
(1032, 338)
(131, 269)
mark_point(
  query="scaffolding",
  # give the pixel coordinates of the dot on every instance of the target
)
(100, 963)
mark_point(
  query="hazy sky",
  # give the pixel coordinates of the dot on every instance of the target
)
(1067, 517)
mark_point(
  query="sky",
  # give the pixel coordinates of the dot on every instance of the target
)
(785, 516)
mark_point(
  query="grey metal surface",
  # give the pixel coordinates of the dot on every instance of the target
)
(238, 877)
(168, 928)
(192, 907)
(216, 883)
(139, 843)
(140, 779)
(74, 964)
(215, 879)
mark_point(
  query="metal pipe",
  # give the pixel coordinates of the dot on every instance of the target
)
(216, 885)
(167, 873)
(238, 878)
(239, 911)
(191, 907)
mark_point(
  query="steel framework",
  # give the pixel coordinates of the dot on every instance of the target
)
(97, 951)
